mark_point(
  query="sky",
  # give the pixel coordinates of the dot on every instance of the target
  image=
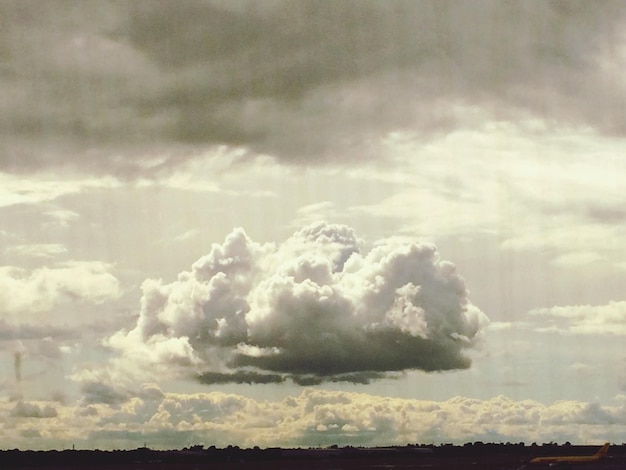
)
(296, 223)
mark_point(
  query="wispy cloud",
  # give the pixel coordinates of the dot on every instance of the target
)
(45, 250)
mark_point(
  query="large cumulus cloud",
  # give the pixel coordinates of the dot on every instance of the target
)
(318, 307)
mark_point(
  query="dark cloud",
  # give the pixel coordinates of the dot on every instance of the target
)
(370, 351)
(191, 32)
(241, 377)
(252, 377)
(110, 392)
(99, 392)
(30, 433)
(606, 213)
(18, 366)
(313, 309)
(32, 410)
(65, 88)
(87, 411)
(362, 378)
(96, 85)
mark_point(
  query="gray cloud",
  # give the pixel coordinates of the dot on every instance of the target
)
(95, 391)
(30, 331)
(313, 309)
(32, 410)
(242, 377)
(98, 392)
(18, 366)
(30, 433)
(362, 378)
(98, 84)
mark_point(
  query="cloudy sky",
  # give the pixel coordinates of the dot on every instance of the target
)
(298, 223)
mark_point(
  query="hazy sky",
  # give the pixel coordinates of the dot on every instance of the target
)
(302, 223)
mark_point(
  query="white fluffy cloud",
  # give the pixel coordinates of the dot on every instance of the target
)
(586, 319)
(41, 289)
(314, 308)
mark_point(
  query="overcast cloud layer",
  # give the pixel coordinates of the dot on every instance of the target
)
(129, 86)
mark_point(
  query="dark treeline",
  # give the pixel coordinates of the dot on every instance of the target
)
(16, 458)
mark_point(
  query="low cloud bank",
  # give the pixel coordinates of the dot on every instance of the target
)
(315, 308)
(312, 418)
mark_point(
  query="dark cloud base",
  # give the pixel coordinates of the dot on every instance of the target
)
(386, 351)
(250, 377)
(242, 377)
